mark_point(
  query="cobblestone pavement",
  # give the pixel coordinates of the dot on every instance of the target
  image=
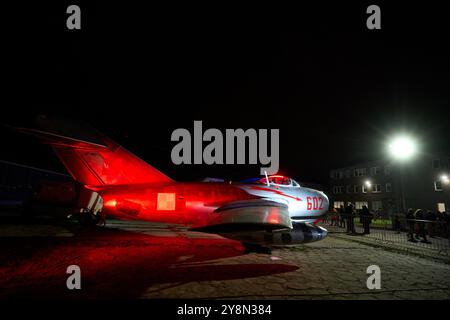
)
(334, 268)
(329, 269)
(438, 248)
(141, 260)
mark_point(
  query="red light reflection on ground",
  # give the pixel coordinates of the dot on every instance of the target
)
(116, 264)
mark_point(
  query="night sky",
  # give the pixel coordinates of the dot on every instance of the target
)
(335, 89)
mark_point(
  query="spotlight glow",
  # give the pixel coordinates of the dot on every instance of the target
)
(402, 148)
(445, 178)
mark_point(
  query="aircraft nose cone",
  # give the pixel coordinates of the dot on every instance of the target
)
(326, 202)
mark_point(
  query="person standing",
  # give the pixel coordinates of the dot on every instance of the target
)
(420, 218)
(431, 217)
(332, 217)
(441, 223)
(396, 225)
(447, 224)
(410, 220)
(335, 217)
(366, 219)
(342, 217)
(349, 214)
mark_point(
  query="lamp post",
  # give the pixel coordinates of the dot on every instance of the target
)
(402, 149)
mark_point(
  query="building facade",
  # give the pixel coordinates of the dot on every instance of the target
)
(391, 187)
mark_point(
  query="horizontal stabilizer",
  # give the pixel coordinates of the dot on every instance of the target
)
(59, 140)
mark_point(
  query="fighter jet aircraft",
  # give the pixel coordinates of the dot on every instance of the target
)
(271, 210)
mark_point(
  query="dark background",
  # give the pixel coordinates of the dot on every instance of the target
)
(336, 90)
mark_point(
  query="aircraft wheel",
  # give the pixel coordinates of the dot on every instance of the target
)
(86, 218)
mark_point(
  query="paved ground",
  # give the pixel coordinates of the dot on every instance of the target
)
(437, 248)
(141, 260)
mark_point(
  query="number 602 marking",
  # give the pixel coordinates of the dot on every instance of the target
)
(314, 203)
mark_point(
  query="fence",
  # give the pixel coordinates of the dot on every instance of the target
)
(413, 234)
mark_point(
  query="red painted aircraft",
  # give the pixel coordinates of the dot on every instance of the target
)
(273, 210)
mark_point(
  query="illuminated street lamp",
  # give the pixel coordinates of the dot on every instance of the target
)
(445, 179)
(402, 148)
(368, 184)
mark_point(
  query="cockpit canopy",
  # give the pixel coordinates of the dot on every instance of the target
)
(277, 180)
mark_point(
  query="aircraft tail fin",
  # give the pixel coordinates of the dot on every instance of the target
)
(96, 160)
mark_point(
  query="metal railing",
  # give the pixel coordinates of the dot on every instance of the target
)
(408, 233)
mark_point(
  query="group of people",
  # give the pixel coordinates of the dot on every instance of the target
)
(345, 218)
(422, 223)
(419, 223)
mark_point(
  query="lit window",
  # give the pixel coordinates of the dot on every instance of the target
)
(365, 188)
(360, 204)
(338, 204)
(441, 207)
(437, 186)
